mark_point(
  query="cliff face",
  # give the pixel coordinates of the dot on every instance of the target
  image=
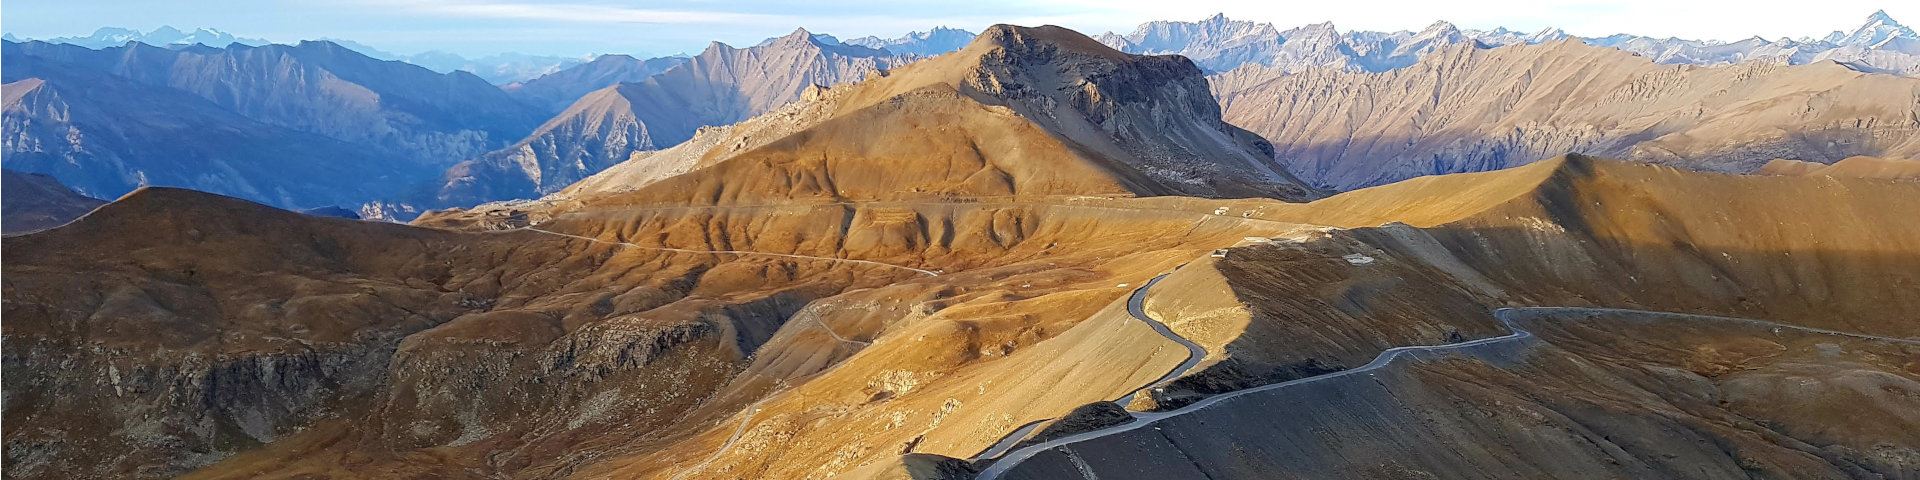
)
(1473, 109)
(1153, 112)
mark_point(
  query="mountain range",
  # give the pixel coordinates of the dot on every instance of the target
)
(1467, 109)
(108, 37)
(106, 135)
(720, 86)
(1220, 44)
(500, 68)
(1033, 257)
(423, 140)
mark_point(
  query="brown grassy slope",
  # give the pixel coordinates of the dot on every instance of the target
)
(1828, 252)
(1819, 251)
(1021, 111)
(232, 324)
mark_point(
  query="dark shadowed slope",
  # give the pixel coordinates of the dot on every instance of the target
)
(35, 202)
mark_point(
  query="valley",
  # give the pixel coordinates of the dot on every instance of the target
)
(1210, 249)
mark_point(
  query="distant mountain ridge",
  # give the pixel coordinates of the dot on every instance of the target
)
(324, 88)
(1469, 109)
(932, 42)
(1219, 44)
(165, 35)
(106, 135)
(720, 86)
(498, 69)
(555, 91)
(290, 125)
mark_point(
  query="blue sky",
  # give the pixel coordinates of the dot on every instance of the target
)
(650, 28)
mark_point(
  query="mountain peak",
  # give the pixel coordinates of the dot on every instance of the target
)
(1439, 29)
(802, 38)
(1878, 28)
(1017, 39)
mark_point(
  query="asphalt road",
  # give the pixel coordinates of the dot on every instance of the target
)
(1136, 306)
(1504, 315)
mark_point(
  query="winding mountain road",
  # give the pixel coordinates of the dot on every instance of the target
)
(1504, 315)
(1136, 306)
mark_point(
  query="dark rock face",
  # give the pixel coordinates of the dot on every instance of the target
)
(37, 202)
(1157, 110)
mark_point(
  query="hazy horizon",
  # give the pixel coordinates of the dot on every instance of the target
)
(475, 29)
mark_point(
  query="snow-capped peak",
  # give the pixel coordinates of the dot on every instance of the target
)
(1439, 29)
(1545, 35)
(1878, 28)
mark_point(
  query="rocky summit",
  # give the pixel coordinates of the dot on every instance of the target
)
(1023, 254)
